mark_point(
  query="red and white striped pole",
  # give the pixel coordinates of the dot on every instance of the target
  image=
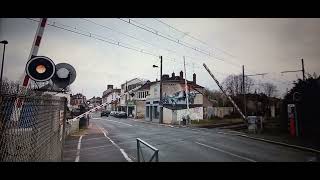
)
(35, 47)
(34, 52)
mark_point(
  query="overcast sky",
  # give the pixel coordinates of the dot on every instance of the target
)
(262, 45)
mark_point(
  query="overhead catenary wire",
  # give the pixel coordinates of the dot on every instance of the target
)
(171, 51)
(285, 80)
(89, 34)
(192, 37)
(97, 37)
(101, 38)
(173, 39)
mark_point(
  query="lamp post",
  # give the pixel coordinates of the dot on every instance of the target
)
(4, 42)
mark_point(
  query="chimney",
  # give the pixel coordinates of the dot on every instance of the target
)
(194, 78)
(181, 75)
(110, 87)
(173, 75)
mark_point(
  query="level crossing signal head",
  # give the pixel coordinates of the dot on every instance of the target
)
(40, 68)
(64, 76)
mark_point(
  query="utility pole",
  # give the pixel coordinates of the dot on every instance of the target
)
(302, 70)
(244, 87)
(161, 104)
(186, 85)
(126, 97)
(244, 92)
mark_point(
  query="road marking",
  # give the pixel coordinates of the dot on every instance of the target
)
(78, 150)
(226, 152)
(114, 121)
(125, 155)
(104, 131)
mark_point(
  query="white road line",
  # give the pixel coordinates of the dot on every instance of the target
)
(220, 150)
(78, 150)
(114, 121)
(125, 155)
(103, 131)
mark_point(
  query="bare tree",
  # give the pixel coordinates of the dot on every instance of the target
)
(269, 89)
(215, 95)
(233, 84)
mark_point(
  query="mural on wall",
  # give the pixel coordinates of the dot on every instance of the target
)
(179, 98)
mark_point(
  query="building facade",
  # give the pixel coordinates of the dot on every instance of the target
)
(174, 100)
(77, 100)
(133, 94)
(95, 101)
(112, 97)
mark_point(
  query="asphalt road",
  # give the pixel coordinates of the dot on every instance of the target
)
(111, 139)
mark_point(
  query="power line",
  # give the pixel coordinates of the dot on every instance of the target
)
(192, 37)
(173, 39)
(170, 51)
(103, 39)
(92, 35)
(200, 41)
(156, 32)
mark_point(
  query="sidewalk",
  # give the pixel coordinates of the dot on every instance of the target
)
(91, 145)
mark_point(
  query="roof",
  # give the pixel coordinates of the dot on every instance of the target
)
(146, 85)
(139, 79)
(109, 91)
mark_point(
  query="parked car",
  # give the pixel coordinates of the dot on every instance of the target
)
(121, 114)
(105, 113)
(112, 113)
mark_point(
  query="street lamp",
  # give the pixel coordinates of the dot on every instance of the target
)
(4, 42)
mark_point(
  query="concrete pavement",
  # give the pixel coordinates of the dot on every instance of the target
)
(111, 139)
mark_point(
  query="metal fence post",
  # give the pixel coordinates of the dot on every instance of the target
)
(138, 150)
(65, 103)
(157, 156)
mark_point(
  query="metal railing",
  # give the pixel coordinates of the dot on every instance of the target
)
(139, 151)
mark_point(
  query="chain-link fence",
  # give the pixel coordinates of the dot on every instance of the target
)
(31, 125)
